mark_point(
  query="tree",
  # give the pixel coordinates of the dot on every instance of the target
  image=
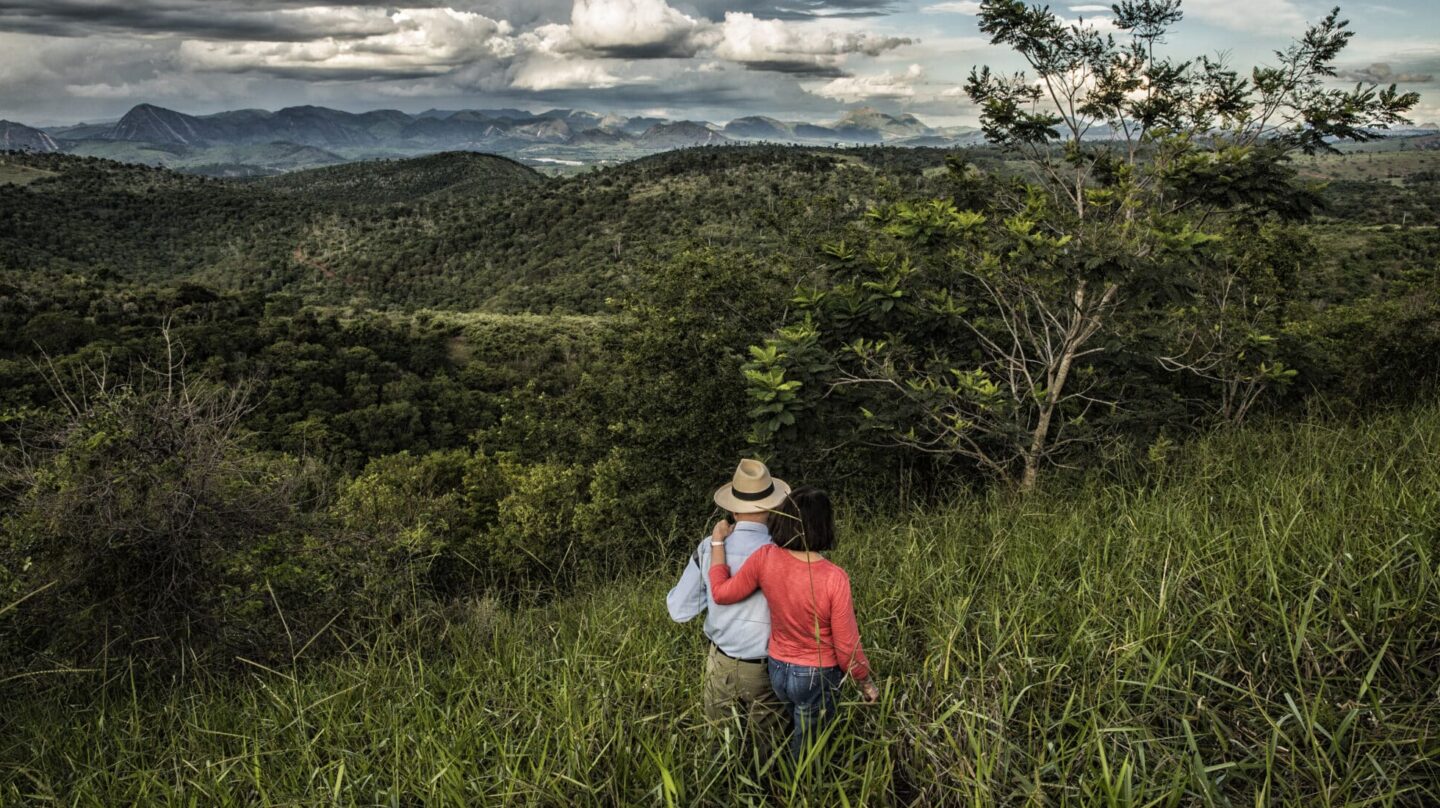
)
(138, 508)
(979, 324)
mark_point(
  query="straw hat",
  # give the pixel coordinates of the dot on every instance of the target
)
(752, 489)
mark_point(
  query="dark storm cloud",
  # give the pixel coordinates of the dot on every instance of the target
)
(798, 68)
(791, 9)
(248, 20)
(678, 48)
(265, 20)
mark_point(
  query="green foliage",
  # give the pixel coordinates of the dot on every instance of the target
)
(652, 426)
(131, 516)
(456, 231)
(980, 333)
(448, 176)
(1256, 628)
(453, 454)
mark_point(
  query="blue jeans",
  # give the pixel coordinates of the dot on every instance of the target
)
(811, 694)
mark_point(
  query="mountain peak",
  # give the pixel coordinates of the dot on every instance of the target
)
(759, 127)
(19, 137)
(151, 124)
(680, 134)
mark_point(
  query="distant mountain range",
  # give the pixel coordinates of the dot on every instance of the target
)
(260, 141)
(257, 141)
(457, 129)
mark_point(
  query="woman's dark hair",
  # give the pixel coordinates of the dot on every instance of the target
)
(804, 521)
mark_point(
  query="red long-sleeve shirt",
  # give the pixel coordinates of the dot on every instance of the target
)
(812, 618)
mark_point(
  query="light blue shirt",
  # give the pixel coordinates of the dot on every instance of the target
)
(742, 630)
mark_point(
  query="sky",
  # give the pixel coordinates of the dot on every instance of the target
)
(91, 60)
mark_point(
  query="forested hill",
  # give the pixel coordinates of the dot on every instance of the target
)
(456, 230)
(467, 231)
(456, 175)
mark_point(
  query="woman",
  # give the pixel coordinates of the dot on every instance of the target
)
(814, 641)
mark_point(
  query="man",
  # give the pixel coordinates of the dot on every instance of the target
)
(737, 677)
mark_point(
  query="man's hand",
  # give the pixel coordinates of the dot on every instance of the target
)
(869, 690)
(722, 531)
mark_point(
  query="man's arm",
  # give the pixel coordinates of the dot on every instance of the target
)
(688, 598)
(728, 588)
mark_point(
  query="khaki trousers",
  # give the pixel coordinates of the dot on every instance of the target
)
(733, 687)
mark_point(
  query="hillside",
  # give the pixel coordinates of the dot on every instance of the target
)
(1253, 622)
(380, 182)
(470, 231)
(387, 233)
(18, 137)
(148, 123)
(20, 174)
(217, 160)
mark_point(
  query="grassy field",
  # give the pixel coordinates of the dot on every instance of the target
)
(12, 174)
(1257, 624)
(1370, 165)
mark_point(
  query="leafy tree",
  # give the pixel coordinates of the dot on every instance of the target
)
(980, 326)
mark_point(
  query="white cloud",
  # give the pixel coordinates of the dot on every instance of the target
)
(748, 39)
(554, 39)
(426, 40)
(1090, 9)
(970, 7)
(544, 73)
(1101, 24)
(645, 27)
(863, 88)
(652, 28)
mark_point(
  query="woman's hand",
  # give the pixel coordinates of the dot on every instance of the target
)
(869, 690)
(722, 531)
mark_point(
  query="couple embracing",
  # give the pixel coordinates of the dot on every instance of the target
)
(779, 616)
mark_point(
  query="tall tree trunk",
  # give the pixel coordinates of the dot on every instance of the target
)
(1041, 435)
(1083, 326)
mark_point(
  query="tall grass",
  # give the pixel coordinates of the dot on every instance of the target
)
(1257, 624)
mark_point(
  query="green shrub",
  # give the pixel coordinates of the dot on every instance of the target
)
(131, 516)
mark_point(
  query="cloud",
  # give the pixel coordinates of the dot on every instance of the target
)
(893, 86)
(634, 28)
(542, 74)
(415, 42)
(652, 29)
(794, 10)
(968, 7)
(270, 21)
(1382, 73)
(789, 47)
(1247, 15)
(425, 42)
(786, 56)
(796, 67)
